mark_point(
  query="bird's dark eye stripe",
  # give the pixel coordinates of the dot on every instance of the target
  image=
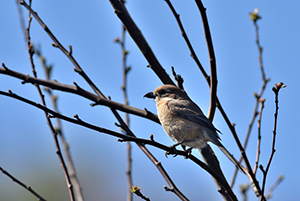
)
(162, 92)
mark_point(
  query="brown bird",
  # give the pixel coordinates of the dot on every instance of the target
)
(183, 120)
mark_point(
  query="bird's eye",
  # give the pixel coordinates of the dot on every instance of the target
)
(162, 92)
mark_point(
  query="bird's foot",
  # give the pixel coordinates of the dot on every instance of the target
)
(188, 151)
(173, 150)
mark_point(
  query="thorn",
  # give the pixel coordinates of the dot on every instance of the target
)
(54, 45)
(152, 137)
(70, 50)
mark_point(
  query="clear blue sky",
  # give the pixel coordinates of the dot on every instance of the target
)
(26, 145)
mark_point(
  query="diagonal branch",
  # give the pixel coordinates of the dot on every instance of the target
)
(81, 92)
(130, 137)
(140, 41)
(22, 184)
(57, 44)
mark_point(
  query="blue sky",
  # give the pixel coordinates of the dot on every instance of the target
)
(26, 145)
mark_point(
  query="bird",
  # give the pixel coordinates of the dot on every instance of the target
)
(184, 121)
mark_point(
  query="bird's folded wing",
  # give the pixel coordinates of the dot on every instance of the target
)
(190, 112)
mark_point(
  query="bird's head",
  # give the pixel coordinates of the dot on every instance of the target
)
(165, 92)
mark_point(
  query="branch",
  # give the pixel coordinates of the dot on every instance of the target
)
(57, 44)
(262, 105)
(207, 152)
(22, 184)
(126, 70)
(81, 92)
(212, 60)
(139, 141)
(122, 13)
(97, 91)
(254, 17)
(31, 51)
(276, 90)
(58, 128)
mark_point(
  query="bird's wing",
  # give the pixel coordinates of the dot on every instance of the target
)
(191, 112)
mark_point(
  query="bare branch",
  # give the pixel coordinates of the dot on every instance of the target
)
(262, 105)
(57, 44)
(22, 184)
(81, 92)
(212, 60)
(276, 90)
(31, 51)
(126, 70)
(131, 137)
(72, 172)
(140, 41)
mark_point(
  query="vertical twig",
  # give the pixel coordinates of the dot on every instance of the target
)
(262, 105)
(72, 172)
(212, 61)
(276, 90)
(254, 17)
(126, 70)
(31, 51)
(118, 6)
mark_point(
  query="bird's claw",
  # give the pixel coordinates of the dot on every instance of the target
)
(188, 151)
(172, 151)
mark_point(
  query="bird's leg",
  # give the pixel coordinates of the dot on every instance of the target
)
(189, 150)
(174, 150)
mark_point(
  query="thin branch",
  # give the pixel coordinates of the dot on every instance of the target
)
(254, 17)
(251, 176)
(31, 51)
(57, 44)
(184, 35)
(81, 92)
(276, 90)
(139, 141)
(97, 91)
(272, 188)
(126, 70)
(14, 179)
(122, 13)
(58, 128)
(212, 60)
(136, 190)
(207, 153)
(262, 105)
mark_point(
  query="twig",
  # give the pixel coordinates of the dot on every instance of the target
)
(99, 93)
(254, 16)
(140, 41)
(22, 184)
(136, 190)
(207, 152)
(178, 79)
(139, 141)
(262, 105)
(126, 70)
(81, 92)
(57, 44)
(212, 60)
(272, 188)
(52, 129)
(276, 90)
(72, 172)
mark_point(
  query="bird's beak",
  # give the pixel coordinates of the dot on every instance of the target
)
(149, 95)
